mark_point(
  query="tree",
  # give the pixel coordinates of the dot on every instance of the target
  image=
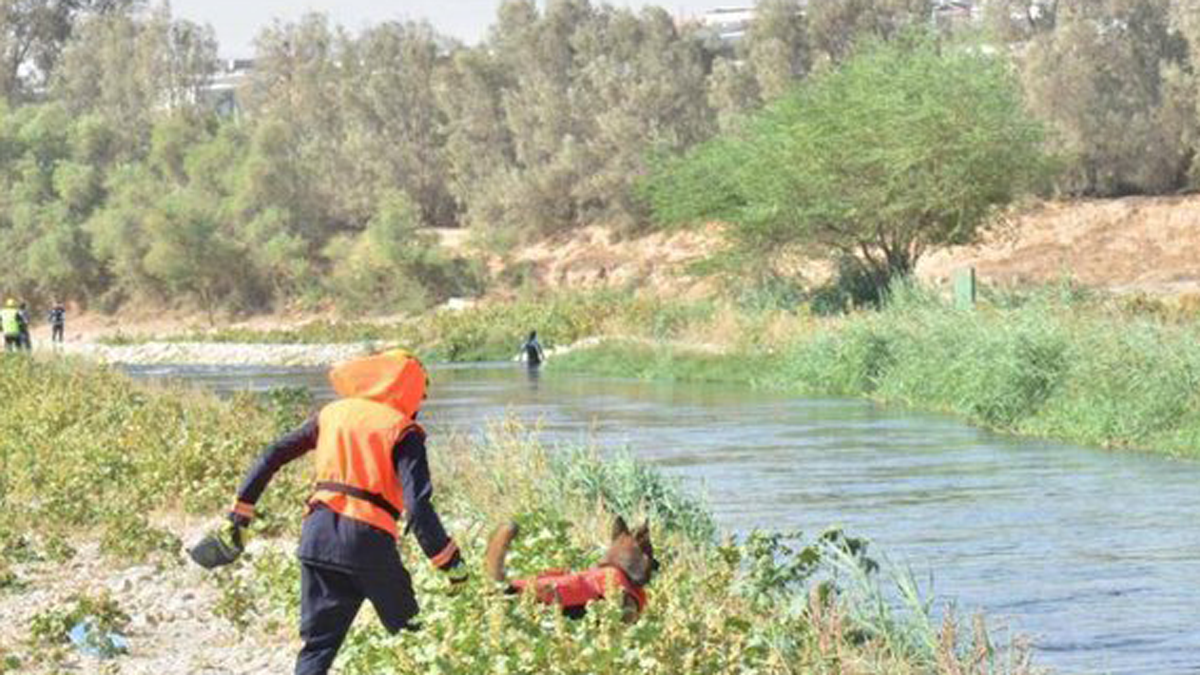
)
(907, 147)
(1114, 82)
(1019, 20)
(32, 36)
(836, 26)
(777, 46)
(189, 254)
(128, 68)
(396, 127)
(732, 92)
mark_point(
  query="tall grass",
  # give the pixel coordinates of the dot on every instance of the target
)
(1050, 365)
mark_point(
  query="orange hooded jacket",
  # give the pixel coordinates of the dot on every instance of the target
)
(354, 469)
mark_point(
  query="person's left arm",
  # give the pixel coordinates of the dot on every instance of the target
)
(412, 470)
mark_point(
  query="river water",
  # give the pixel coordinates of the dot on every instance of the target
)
(1094, 555)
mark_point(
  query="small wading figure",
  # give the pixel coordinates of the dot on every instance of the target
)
(58, 321)
(531, 351)
(370, 467)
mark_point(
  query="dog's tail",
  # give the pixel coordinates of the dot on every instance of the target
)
(497, 551)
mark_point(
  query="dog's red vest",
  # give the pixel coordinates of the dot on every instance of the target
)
(577, 589)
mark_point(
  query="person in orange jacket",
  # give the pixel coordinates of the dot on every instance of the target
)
(371, 467)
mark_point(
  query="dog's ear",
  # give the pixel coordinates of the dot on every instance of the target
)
(642, 533)
(619, 527)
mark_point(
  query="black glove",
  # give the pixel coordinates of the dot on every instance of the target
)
(456, 573)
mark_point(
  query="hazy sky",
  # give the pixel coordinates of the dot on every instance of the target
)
(237, 21)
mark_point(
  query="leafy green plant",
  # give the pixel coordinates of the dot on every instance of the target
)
(237, 602)
(134, 539)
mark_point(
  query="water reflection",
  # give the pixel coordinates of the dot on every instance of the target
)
(533, 374)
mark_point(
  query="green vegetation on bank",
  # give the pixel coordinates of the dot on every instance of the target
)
(488, 331)
(1056, 362)
(89, 454)
(1094, 371)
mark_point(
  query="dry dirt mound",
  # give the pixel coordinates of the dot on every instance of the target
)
(597, 257)
(1147, 244)
(1135, 244)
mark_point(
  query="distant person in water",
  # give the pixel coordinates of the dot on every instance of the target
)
(58, 322)
(532, 351)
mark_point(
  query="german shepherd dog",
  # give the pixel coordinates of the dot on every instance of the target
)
(628, 564)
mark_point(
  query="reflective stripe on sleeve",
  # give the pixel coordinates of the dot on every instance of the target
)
(244, 509)
(442, 559)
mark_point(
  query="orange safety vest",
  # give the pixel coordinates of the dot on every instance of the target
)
(355, 472)
(577, 589)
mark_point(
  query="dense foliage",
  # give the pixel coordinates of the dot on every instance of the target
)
(121, 182)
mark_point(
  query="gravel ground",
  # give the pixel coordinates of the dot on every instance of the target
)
(173, 628)
(227, 354)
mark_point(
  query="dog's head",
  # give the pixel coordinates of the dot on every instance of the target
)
(632, 552)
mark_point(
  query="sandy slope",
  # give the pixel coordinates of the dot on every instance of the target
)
(1149, 244)
(1146, 244)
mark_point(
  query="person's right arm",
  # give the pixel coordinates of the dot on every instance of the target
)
(287, 448)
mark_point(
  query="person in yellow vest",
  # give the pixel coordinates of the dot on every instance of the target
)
(370, 468)
(12, 325)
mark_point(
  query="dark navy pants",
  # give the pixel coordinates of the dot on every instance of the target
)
(329, 601)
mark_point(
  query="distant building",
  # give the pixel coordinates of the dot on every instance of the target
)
(948, 14)
(221, 94)
(729, 24)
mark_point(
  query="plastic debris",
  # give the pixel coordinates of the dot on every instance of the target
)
(92, 641)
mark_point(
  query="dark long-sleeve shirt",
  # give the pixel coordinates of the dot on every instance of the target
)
(332, 540)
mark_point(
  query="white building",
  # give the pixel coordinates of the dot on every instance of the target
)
(221, 94)
(729, 24)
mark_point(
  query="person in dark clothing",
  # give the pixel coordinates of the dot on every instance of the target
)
(26, 341)
(58, 321)
(532, 351)
(371, 464)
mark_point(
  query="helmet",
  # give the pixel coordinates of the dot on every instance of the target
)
(396, 378)
(10, 303)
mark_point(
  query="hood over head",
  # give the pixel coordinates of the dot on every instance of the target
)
(395, 378)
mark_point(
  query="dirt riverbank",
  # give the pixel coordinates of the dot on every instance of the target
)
(223, 354)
